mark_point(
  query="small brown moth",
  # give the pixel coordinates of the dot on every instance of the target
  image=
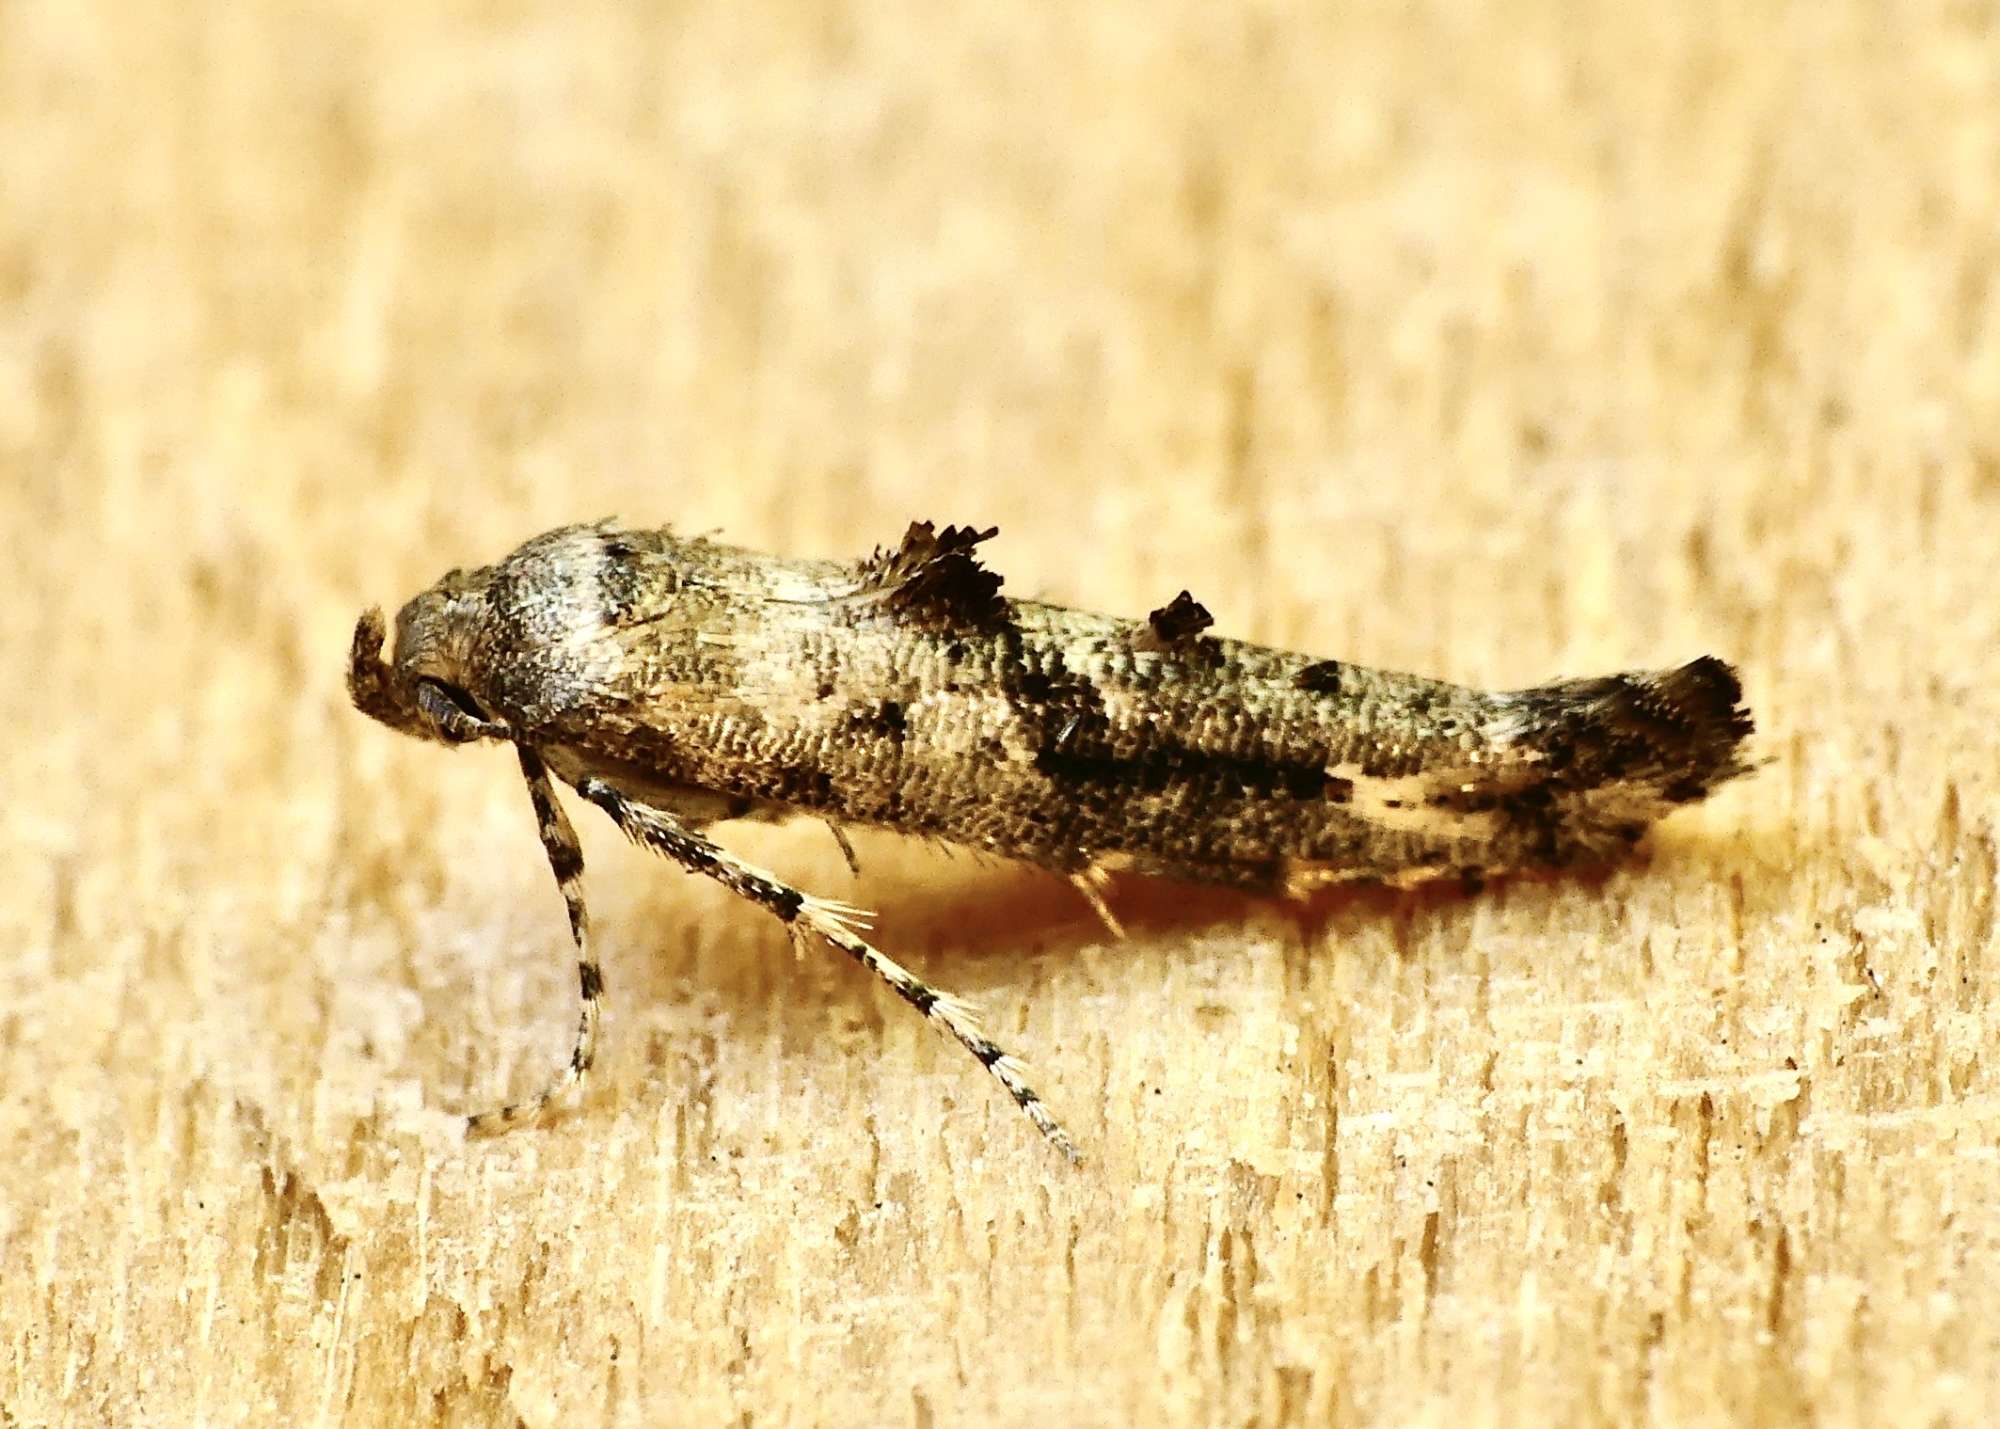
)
(676, 682)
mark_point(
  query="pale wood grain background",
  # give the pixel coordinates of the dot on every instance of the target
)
(1498, 342)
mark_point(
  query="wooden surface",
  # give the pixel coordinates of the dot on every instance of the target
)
(1497, 342)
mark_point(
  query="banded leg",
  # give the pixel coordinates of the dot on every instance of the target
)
(838, 924)
(566, 862)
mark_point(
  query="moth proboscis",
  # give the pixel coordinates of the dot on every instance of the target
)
(675, 683)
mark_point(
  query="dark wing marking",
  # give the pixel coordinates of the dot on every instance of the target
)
(1681, 731)
(1322, 678)
(936, 574)
(1180, 621)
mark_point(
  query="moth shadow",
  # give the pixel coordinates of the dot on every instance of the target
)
(1002, 911)
(936, 908)
(981, 913)
(997, 910)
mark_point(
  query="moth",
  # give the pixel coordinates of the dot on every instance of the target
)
(676, 683)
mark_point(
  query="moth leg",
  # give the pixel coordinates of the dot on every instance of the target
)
(846, 848)
(1091, 882)
(566, 862)
(838, 924)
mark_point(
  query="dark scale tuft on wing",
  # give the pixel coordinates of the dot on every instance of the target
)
(1680, 731)
(936, 573)
(1181, 620)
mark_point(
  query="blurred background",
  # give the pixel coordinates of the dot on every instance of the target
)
(1497, 341)
(1330, 305)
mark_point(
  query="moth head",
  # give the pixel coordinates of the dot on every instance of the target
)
(422, 689)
